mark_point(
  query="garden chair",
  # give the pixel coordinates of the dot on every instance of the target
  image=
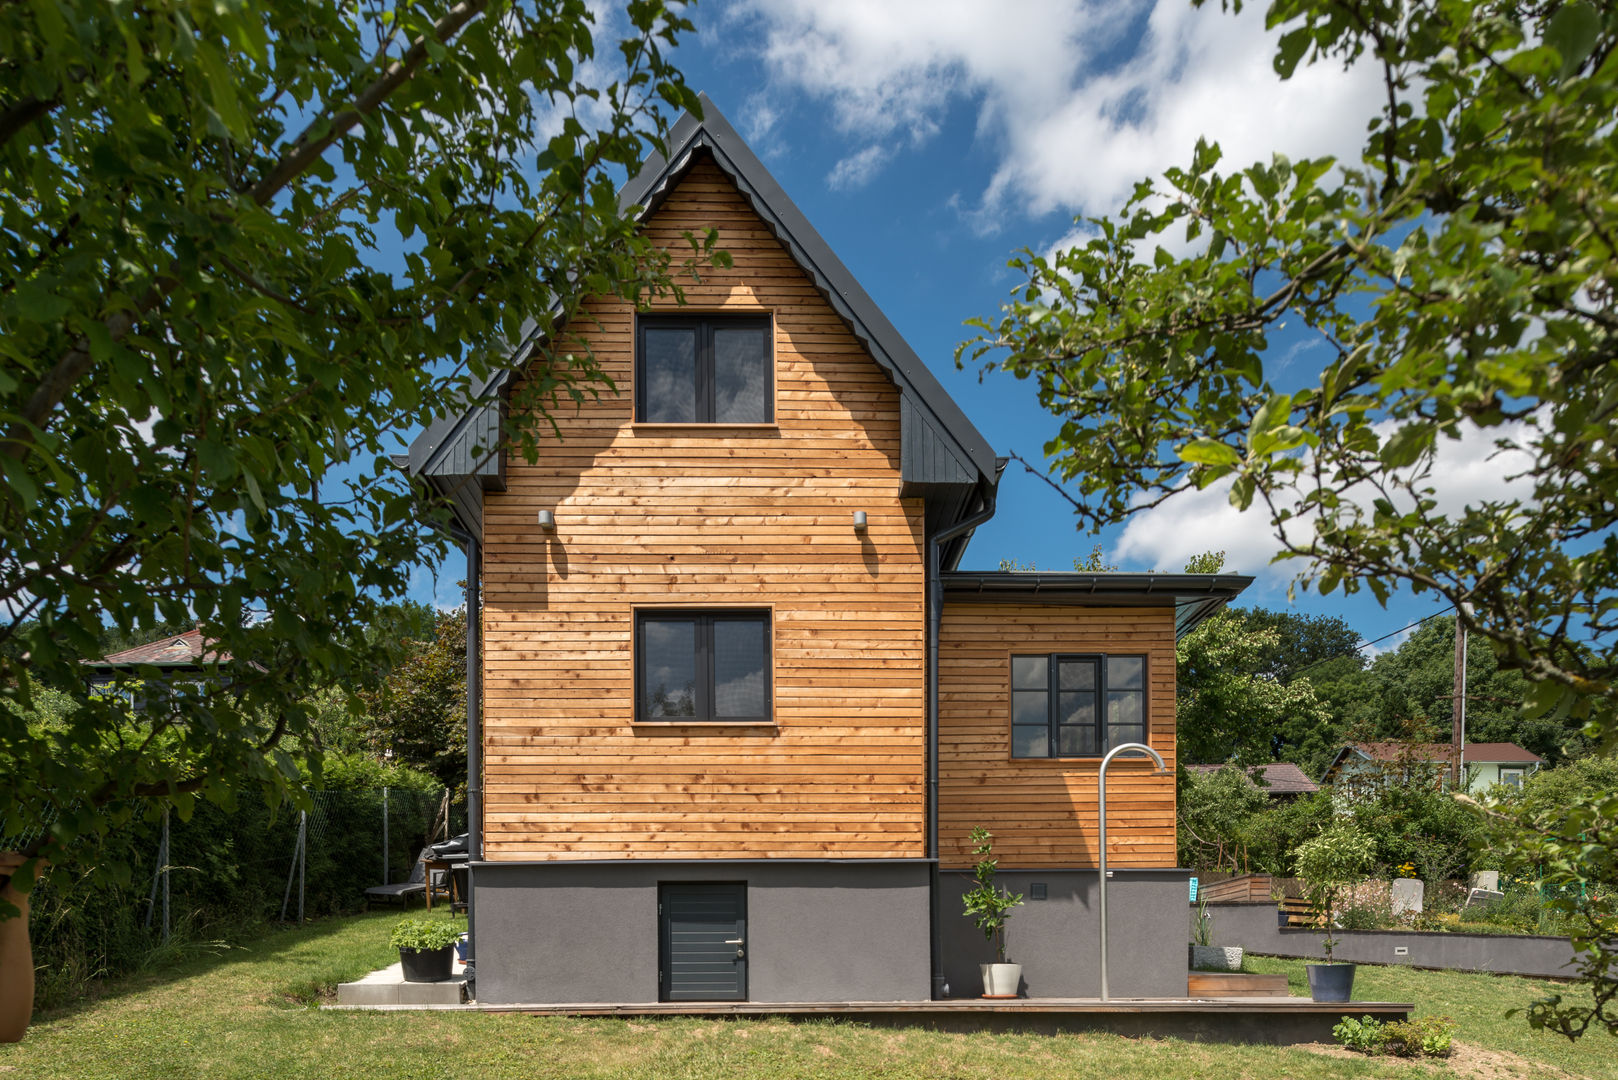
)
(415, 885)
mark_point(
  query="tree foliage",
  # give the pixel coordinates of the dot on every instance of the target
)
(206, 356)
(1229, 708)
(1462, 275)
(418, 715)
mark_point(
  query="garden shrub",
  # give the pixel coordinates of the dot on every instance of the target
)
(1365, 1035)
(1424, 1036)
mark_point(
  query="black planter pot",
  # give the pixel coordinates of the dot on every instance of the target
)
(427, 965)
(1330, 982)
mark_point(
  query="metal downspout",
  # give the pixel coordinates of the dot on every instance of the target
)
(474, 752)
(935, 622)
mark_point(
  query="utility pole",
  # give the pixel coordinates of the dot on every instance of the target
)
(1458, 716)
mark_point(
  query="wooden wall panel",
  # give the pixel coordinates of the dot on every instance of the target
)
(1043, 812)
(744, 517)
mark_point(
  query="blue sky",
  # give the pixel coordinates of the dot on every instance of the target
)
(927, 141)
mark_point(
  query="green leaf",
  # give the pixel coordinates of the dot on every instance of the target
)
(1573, 32)
(1206, 451)
(1408, 444)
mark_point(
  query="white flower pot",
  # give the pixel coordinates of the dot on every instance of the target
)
(1216, 957)
(1001, 980)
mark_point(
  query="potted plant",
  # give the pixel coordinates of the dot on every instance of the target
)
(1328, 865)
(426, 948)
(1205, 955)
(989, 906)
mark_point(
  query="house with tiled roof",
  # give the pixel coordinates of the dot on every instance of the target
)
(1280, 780)
(1359, 764)
(176, 657)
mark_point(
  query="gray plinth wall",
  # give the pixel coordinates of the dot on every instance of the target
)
(818, 931)
(1254, 927)
(1058, 940)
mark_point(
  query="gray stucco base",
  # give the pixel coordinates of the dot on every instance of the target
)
(1058, 940)
(551, 933)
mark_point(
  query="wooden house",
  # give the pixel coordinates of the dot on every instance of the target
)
(738, 711)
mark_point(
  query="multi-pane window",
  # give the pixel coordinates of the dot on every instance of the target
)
(703, 369)
(700, 666)
(1076, 705)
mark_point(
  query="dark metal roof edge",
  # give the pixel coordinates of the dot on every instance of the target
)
(1169, 585)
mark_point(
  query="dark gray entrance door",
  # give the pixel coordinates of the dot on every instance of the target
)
(702, 941)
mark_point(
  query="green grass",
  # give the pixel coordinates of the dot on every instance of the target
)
(250, 1012)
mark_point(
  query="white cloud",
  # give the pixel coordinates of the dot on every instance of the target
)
(1465, 472)
(856, 170)
(1075, 106)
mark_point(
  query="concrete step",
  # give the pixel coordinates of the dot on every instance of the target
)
(388, 987)
(1234, 984)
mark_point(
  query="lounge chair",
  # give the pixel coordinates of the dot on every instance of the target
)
(416, 885)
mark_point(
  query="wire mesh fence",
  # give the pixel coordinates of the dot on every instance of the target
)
(163, 883)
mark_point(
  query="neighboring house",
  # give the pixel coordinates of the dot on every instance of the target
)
(1281, 780)
(739, 712)
(1360, 767)
(179, 658)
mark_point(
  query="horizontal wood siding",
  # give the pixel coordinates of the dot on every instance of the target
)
(686, 516)
(1043, 813)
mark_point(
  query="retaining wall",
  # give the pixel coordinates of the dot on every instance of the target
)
(1253, 927)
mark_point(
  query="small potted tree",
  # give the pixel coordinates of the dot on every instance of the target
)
(988, 905)
(1334, 860)
(426, 948)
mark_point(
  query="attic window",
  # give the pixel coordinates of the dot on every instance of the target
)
(704, 369)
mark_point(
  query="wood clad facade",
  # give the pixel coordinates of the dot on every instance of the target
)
(1043, 812)
(702, 516)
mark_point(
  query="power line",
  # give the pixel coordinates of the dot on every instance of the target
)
(1365, 644)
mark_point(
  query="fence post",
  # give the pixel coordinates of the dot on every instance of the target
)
(385, 880)
(157, 874)
(303, 857)
(292, 871)
(166, 862)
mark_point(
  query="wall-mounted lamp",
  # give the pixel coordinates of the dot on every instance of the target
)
(547, 521)
(859, 521)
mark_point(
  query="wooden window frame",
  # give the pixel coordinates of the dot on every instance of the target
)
(705, 323)
(704, 618)
(1052, 691)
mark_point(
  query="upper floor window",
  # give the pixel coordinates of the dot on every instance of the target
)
(704, 369)
(1076, 705)
(702, 666)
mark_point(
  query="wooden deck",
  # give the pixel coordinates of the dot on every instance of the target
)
(1278, 1020)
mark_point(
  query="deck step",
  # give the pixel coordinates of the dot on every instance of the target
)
(1230, 984)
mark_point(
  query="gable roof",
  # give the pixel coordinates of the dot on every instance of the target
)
(939, 447)
(1280, 777)
(178, 650)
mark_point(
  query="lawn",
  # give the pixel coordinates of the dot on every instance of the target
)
(252, 1012)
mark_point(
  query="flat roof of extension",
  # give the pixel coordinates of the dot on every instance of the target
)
(1193, 596)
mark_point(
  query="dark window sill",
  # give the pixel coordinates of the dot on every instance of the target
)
(658, 725)
(695, 425)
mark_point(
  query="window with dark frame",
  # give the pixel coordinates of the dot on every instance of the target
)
(702, 667)
(1076, 704)
(704, 369)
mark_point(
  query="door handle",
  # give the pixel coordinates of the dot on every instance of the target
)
(735, 941)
